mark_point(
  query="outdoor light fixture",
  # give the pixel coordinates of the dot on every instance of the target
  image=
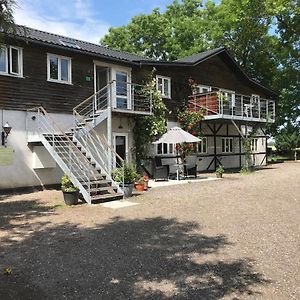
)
(5, 133)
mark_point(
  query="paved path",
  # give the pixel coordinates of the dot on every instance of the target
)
(236, 238)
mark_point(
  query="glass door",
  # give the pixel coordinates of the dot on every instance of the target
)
(102, 78)
(120, 146)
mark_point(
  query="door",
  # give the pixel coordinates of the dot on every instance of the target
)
(122, 90)
(102, 79)
(120, 141)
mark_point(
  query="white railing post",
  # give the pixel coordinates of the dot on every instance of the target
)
(242, 106)
(259, 108)
(267, 110)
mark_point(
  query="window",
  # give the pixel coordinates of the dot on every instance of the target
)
(227, 145)
(59, 68)
(200, 89)
(121, 89)
(163, 85)
(202, 145)
(254, 143)
(11, 61)
(165, 148)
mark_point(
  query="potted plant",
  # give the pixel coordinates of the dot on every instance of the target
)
(126, 175)
(220, 171)
(140, 184)
(70, 192)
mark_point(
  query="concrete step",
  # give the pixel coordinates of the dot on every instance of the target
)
(106, 197)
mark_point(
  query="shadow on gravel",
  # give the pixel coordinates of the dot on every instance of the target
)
(153, 258)
(21, 209)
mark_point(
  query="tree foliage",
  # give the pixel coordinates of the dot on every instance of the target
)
(262, 35)
(6, 15)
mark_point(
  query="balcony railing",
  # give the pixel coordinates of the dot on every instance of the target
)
(219, 104)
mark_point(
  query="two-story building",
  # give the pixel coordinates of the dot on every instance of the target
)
(71, 105)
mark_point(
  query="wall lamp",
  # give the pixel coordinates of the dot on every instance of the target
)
(5, 133)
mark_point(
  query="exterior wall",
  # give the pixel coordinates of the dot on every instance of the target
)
(236, 159)
(34, 89)
(21, 172)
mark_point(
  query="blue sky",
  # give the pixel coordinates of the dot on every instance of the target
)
(88, 20)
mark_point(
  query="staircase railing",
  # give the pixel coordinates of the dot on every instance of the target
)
(96, 103)
(99, 150)
(68, 156)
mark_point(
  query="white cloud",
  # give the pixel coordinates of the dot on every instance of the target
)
(70, 18)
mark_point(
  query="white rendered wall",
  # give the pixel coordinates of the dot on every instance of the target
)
(21, 173)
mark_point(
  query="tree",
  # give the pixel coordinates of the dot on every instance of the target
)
(6, 15)
(262, 35)
(288, 140)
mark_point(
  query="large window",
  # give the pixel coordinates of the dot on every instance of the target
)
(202, 145)
(227, 145)
(59, 68)
(122, 89)
(11, 61)
(163, 85)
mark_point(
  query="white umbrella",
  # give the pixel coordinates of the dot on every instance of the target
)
(176, 135)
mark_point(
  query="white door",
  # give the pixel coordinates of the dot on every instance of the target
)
(122, 86)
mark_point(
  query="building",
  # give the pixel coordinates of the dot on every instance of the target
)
(71, 105)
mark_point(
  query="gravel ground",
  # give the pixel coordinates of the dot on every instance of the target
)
(236, 238)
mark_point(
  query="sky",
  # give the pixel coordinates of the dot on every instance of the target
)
(87, 20)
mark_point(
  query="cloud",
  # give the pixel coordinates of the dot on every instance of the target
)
(73, 18)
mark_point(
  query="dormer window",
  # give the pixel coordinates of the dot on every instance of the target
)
(59, 68)
(11, 61)
(163, 85)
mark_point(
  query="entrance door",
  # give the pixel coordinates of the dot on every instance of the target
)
(121, 147)
(102, 78)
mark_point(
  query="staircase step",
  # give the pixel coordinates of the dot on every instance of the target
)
(103, 190)
(106, 197)
(98, 183)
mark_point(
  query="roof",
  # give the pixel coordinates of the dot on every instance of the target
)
(35, 35)
(196, 58)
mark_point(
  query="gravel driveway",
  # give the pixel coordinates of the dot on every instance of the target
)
(236, 238)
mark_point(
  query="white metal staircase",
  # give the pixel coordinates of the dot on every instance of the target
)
(82, 153)
(84, 162)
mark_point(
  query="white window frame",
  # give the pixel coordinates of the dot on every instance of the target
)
(60, 57)
(200, 88)
(163, 78)
(8, 63)
(227, 142)
(168, 149)
(20, 61)
(200, 146)
(254, 145)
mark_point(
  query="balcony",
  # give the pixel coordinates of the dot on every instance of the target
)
(232, 106)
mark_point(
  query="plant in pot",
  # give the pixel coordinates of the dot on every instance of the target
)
(139, 185)
(146, 181)
(220, 171)
(70, 192)
(126, 175)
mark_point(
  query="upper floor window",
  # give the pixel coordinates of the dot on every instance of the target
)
(202, 145)
(59, 68)
(11, 61)
(199, 89)
(227, 145)
(163, 85)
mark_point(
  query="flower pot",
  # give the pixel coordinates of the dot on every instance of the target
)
(146, 185)
(139, 186)
(127, 189)
(71, 198)
(219, 175)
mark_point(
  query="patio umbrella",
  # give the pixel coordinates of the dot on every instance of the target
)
(176, 135)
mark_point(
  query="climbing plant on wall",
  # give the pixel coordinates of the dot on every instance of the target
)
(149, 128)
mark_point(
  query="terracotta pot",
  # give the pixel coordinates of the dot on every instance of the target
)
(219, 175)
(139, 187)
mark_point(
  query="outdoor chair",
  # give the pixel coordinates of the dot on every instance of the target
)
(160, 172)
(190, 166)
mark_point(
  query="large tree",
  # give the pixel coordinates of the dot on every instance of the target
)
(6, 14)
(263, 36)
